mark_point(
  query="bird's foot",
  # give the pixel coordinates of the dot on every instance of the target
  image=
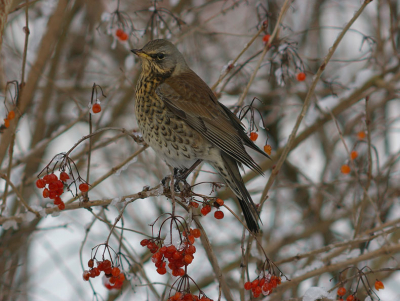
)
(180, 183)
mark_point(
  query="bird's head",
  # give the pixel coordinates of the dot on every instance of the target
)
(161, 58)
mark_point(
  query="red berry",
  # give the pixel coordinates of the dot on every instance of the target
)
(6, 123)
(301, 76)
(84, 187)
(194, 204)
(115, 272)
(53, 178)
(123, 37)
(341, 291)
(53, 194)
(196, 233)
(205, 210)
(188, 259)
(379, 285)
(219, 201)
(53, 186)
(96, 108)
(161, 271)
(254, 284)
(45, 193)
(266, 38)
(107, 264)
(219, 214)
(86, 275)
(353, 155)
(191, 249)
(59, 184)
(47, 179)
(144, 242)
(345, 169)
(361, 135)
(90, 263)
(247, 285)
(267, 149)
(40, 183)
(61, 206)
(171, 249)
(64, 176)
(253, 136)
(191, 239)
(11, 115)
(350, 298)
(121, 277)
(100, 265)
(58, 201)
(96, 271)
(119, 32)
(177, 255)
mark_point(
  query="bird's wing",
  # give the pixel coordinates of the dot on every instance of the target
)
(189, 97)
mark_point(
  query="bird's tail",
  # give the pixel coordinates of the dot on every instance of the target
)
(228, 169)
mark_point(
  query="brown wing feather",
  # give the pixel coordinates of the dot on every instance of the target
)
(189, 97)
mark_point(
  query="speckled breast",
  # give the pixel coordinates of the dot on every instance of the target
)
(171, 138)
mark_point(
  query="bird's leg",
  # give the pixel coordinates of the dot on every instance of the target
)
(184, 173)
(180, 175)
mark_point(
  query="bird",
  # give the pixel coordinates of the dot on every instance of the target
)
(182, 120)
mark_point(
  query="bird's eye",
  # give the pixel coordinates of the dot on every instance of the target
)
(160, 56)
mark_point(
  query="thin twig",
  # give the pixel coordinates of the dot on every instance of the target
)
(20, 197)
(267, 46)
(307, 101)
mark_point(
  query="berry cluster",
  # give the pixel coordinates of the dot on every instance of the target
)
(53, 187)
(264, 285)
(345, 168)
(342, 291)
(122, 35)
(206, 209)
(10, 116)
(267, 147)
(114, 275)
(179, 296)
(177, 257)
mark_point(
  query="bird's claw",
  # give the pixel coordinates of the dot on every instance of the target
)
(180, 183)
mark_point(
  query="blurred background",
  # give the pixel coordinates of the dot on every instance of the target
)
(319, 219)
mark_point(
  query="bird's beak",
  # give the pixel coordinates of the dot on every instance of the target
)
(140, 53)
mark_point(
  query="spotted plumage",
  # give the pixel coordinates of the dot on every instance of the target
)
(182, 120)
